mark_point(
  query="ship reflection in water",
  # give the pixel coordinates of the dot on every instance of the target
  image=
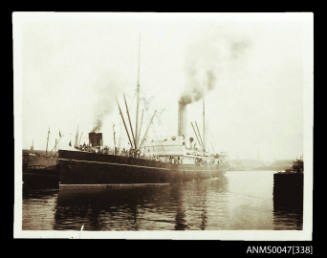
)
(243, 200)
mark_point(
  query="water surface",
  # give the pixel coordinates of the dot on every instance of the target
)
(242, 200)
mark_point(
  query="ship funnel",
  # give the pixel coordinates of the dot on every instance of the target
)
(95, 139)
(182, 119)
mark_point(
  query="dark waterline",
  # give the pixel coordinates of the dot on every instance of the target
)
(242, 200)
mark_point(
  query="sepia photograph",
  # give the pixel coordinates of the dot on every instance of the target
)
(163, 125)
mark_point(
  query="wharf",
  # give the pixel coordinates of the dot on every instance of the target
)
(288, 190)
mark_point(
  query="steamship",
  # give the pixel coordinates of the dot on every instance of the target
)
(169, 160)
(165, 161)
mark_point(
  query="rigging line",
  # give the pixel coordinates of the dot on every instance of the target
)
(122, 117)
(147, 129)
(129, 120)
(199, 134)
(214, 138)
(141, 125)
(197, 138)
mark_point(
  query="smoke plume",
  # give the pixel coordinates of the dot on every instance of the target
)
(98, 123)
(106, 90)
(206, 60)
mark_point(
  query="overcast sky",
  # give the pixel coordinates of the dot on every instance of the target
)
(70, 67)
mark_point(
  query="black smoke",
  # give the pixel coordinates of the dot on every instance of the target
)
(107, 88)
(205, 61)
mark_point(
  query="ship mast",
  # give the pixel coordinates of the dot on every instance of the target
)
(114, 136)
(137, 140)
(46, 150)
(204, 124)
(76, 144)
(137, 97)
(80, 138)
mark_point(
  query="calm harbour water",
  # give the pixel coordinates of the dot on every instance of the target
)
(243, 200)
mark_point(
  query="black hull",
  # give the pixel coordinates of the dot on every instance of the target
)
(42, 178)
(83, 168)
